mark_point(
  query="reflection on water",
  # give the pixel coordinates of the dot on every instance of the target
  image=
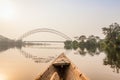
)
(36, 58)
(46, 54)
(113, 59)
(4, 48)
(83, 52)
(112, 56)
(45, 47)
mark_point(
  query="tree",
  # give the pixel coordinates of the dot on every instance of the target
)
(82, 38)
(82, 41)
(91, 44)
(68, 44)
(75, 44)
(112, 33)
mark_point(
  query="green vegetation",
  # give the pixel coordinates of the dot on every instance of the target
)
(68, 44)
(112, 39)
(93, 45)
(82, 42)
(112, 46)
(112, 35)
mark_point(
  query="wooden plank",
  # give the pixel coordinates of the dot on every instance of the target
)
(55, 76)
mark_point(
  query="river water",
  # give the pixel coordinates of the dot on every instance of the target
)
(29, 62)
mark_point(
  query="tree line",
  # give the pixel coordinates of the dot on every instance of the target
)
(112, 39)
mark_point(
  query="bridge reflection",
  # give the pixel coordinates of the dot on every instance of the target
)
(45, 47)
(36, 59)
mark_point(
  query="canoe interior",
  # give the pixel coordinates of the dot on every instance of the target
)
(62, 69)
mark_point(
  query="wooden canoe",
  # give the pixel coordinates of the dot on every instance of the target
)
(62, 69)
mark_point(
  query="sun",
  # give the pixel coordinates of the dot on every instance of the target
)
(6, 10)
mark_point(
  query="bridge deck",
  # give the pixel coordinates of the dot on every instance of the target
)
(44, 41)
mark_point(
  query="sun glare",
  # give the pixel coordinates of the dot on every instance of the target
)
(2, 77)
(6, 10)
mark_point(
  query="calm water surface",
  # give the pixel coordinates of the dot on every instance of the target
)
(29, 62)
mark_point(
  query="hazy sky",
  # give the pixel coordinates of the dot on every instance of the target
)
(72, 17)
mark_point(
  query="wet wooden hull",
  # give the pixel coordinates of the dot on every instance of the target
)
(62, 69)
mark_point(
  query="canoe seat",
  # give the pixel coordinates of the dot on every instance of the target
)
(61, 62)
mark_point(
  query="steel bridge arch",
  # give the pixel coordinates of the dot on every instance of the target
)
(44, 30)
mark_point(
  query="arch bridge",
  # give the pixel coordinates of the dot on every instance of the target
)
(44, 30)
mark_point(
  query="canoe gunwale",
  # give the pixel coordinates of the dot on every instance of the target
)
(69, 70)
